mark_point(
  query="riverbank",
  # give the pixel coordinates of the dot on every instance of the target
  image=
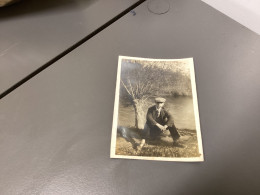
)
(127, 144)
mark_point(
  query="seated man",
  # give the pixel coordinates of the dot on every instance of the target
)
(159, 120)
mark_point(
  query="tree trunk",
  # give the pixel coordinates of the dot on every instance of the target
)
(139, 114)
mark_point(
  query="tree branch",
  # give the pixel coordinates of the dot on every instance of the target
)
(126, 88)
(131, 88)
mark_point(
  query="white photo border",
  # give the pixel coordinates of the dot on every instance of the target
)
(113, 154)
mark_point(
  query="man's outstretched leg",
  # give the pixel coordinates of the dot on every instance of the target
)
(175, 136)
(144, 135)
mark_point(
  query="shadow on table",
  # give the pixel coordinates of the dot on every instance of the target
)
(27, 7)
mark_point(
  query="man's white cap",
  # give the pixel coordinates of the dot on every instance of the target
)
(160, 100)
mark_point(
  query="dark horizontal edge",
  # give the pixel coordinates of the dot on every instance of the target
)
(70, 49)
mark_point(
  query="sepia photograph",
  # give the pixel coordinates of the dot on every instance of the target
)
(156, 115)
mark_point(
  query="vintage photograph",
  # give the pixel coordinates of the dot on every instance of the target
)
(156, 114)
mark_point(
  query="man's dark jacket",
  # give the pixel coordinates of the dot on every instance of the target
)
(165, 117)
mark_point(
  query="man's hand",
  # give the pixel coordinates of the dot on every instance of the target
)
(163, 128)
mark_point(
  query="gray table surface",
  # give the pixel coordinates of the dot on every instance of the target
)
(34, 32)
(55, 129)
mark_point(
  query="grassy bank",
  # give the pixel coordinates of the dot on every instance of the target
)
(128, 145)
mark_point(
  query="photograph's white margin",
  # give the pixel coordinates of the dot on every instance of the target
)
(195, 106)
(116, 106)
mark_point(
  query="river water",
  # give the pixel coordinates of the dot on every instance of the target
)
(183, 113)
(180, 107)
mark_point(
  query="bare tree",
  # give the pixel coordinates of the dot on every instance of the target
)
(140, 81)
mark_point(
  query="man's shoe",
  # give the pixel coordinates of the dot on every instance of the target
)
(141, 145)
(179, 145)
